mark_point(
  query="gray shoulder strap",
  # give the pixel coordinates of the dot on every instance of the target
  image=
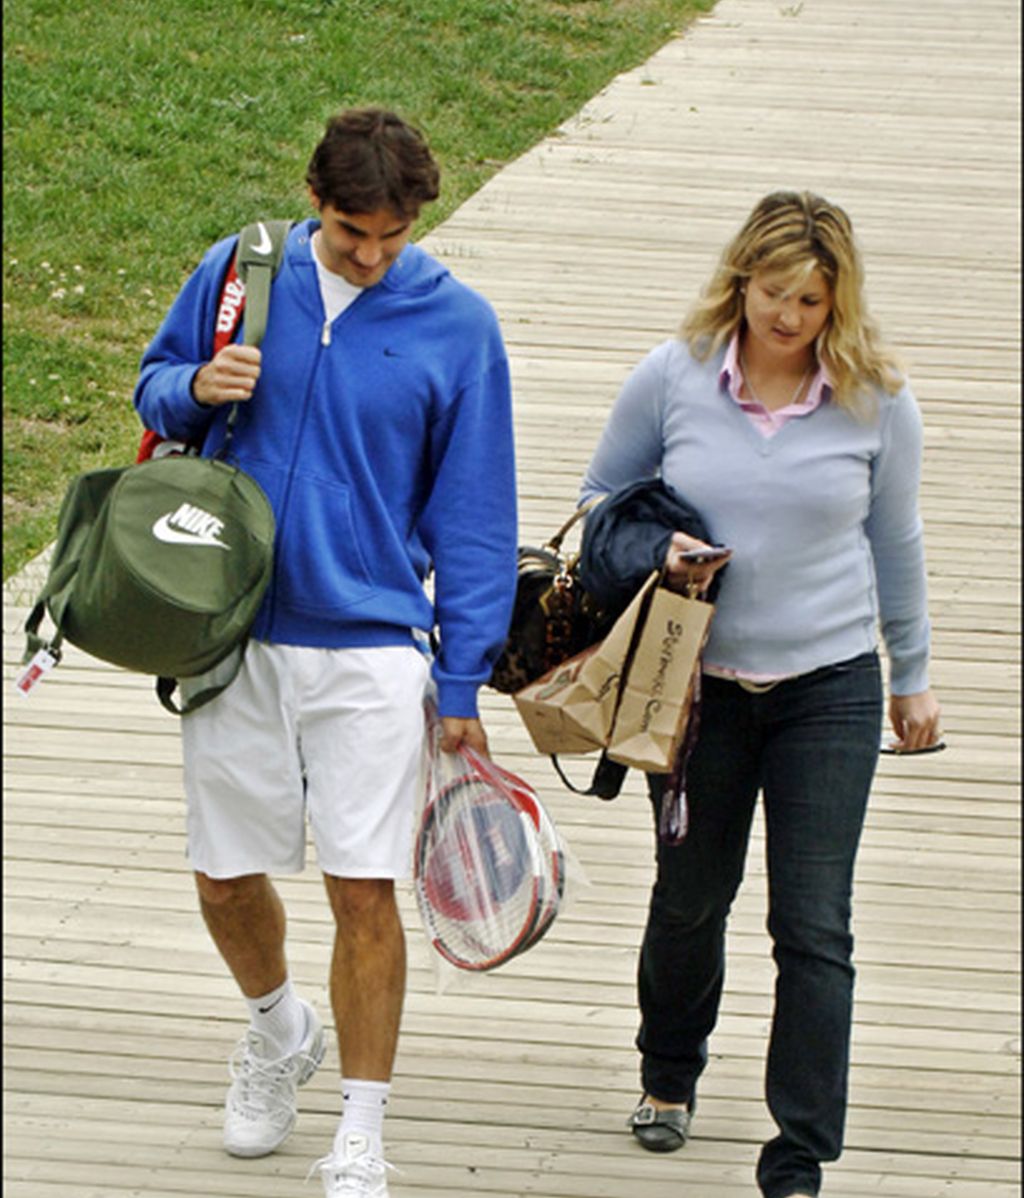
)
(259, 254)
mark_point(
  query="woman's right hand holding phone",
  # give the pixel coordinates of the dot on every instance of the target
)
(690, 564)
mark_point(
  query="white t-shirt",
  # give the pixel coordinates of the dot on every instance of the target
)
(337, 292)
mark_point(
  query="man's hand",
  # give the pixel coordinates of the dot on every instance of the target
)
(456, 732)
(230, 377)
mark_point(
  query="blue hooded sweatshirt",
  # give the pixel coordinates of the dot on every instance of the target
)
(384, 444)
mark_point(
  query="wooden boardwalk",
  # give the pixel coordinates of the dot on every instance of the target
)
(118, 1015)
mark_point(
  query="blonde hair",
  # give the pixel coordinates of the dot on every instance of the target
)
(790, 233)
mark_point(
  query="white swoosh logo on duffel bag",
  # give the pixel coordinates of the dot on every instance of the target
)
(194, 527)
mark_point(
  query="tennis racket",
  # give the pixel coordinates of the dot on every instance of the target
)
(477, 874)
(552, 889)
(554, 858)
(487, 869)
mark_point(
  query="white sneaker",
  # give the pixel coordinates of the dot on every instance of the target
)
(259, 1112)
(353, 1170)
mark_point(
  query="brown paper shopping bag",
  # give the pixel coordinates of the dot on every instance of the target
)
(571, 709)
(656, 693)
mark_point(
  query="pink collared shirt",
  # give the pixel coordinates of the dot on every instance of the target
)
(768, 422)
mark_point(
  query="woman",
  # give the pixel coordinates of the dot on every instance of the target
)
(781, 418)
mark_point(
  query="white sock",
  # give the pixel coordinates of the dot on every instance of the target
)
(363, 1111)
(280, 1018)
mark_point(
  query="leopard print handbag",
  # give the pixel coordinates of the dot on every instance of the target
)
(553, 617)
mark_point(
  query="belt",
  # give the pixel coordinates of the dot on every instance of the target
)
(748, 684)
(759, 688)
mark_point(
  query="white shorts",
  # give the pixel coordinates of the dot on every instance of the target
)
(339, 731)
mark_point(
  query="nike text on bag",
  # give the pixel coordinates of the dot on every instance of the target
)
(158, 567)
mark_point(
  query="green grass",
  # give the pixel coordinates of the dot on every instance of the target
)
(138, 132)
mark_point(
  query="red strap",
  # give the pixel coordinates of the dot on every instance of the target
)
(229, 310)
(149, 442)
(229, 316)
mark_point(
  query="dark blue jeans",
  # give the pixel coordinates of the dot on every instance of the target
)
(810, 745)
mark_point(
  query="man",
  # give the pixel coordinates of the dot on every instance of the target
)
(377, 418)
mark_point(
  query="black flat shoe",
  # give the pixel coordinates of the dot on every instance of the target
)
(660, 1131)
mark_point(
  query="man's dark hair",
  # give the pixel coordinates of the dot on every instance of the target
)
(370, 159)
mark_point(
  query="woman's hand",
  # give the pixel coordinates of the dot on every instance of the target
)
(683, 575)
(915, 720)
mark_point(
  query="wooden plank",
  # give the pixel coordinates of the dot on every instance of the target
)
(118, 1015)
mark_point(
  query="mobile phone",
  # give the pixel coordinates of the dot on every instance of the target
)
(890, 745)
(712, 553)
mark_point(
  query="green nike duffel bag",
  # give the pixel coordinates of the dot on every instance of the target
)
(158, 567)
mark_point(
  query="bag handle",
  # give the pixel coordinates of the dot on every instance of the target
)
(607, 780)
(556, 541)
(257, 260)
(33, 641)
(165, 687)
